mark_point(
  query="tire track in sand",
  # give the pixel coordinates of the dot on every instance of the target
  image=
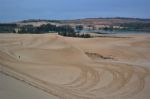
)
(96, 80)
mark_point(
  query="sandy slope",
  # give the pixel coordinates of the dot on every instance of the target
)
(75, 68)
(10, 89)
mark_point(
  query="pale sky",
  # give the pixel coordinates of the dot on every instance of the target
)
(14, 10)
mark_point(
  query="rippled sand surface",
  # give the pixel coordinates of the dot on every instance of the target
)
(76, 68)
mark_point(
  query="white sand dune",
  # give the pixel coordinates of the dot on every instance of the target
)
(77, 68)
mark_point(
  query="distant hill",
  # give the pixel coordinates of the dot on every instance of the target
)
(38, 20)
(118, 23)
(107, 21)
(94, 21)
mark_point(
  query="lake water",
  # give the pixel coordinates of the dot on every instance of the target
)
(113, 32)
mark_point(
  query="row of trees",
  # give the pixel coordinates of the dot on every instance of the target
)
(64, 30)
(132, 26)
(76, 35)
(45, 29)
(7, 28)
(136, 26)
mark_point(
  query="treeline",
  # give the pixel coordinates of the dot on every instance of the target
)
(132, 26)
(7, 28)
(64, 30)
(45, 29)
(76, 35)
(39, 20)
(136, 26)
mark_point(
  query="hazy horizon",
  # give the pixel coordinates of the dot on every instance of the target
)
(16, 10)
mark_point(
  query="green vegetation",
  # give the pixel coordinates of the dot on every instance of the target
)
(39, 20)
(76, 35)
(108, 28)
(132, 26)
(64, 30)
(7, 28)
(41, 29)
(136, 26)
(79, 27)
(75, 31)
(70, 32)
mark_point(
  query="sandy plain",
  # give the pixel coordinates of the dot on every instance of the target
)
(106, 67)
